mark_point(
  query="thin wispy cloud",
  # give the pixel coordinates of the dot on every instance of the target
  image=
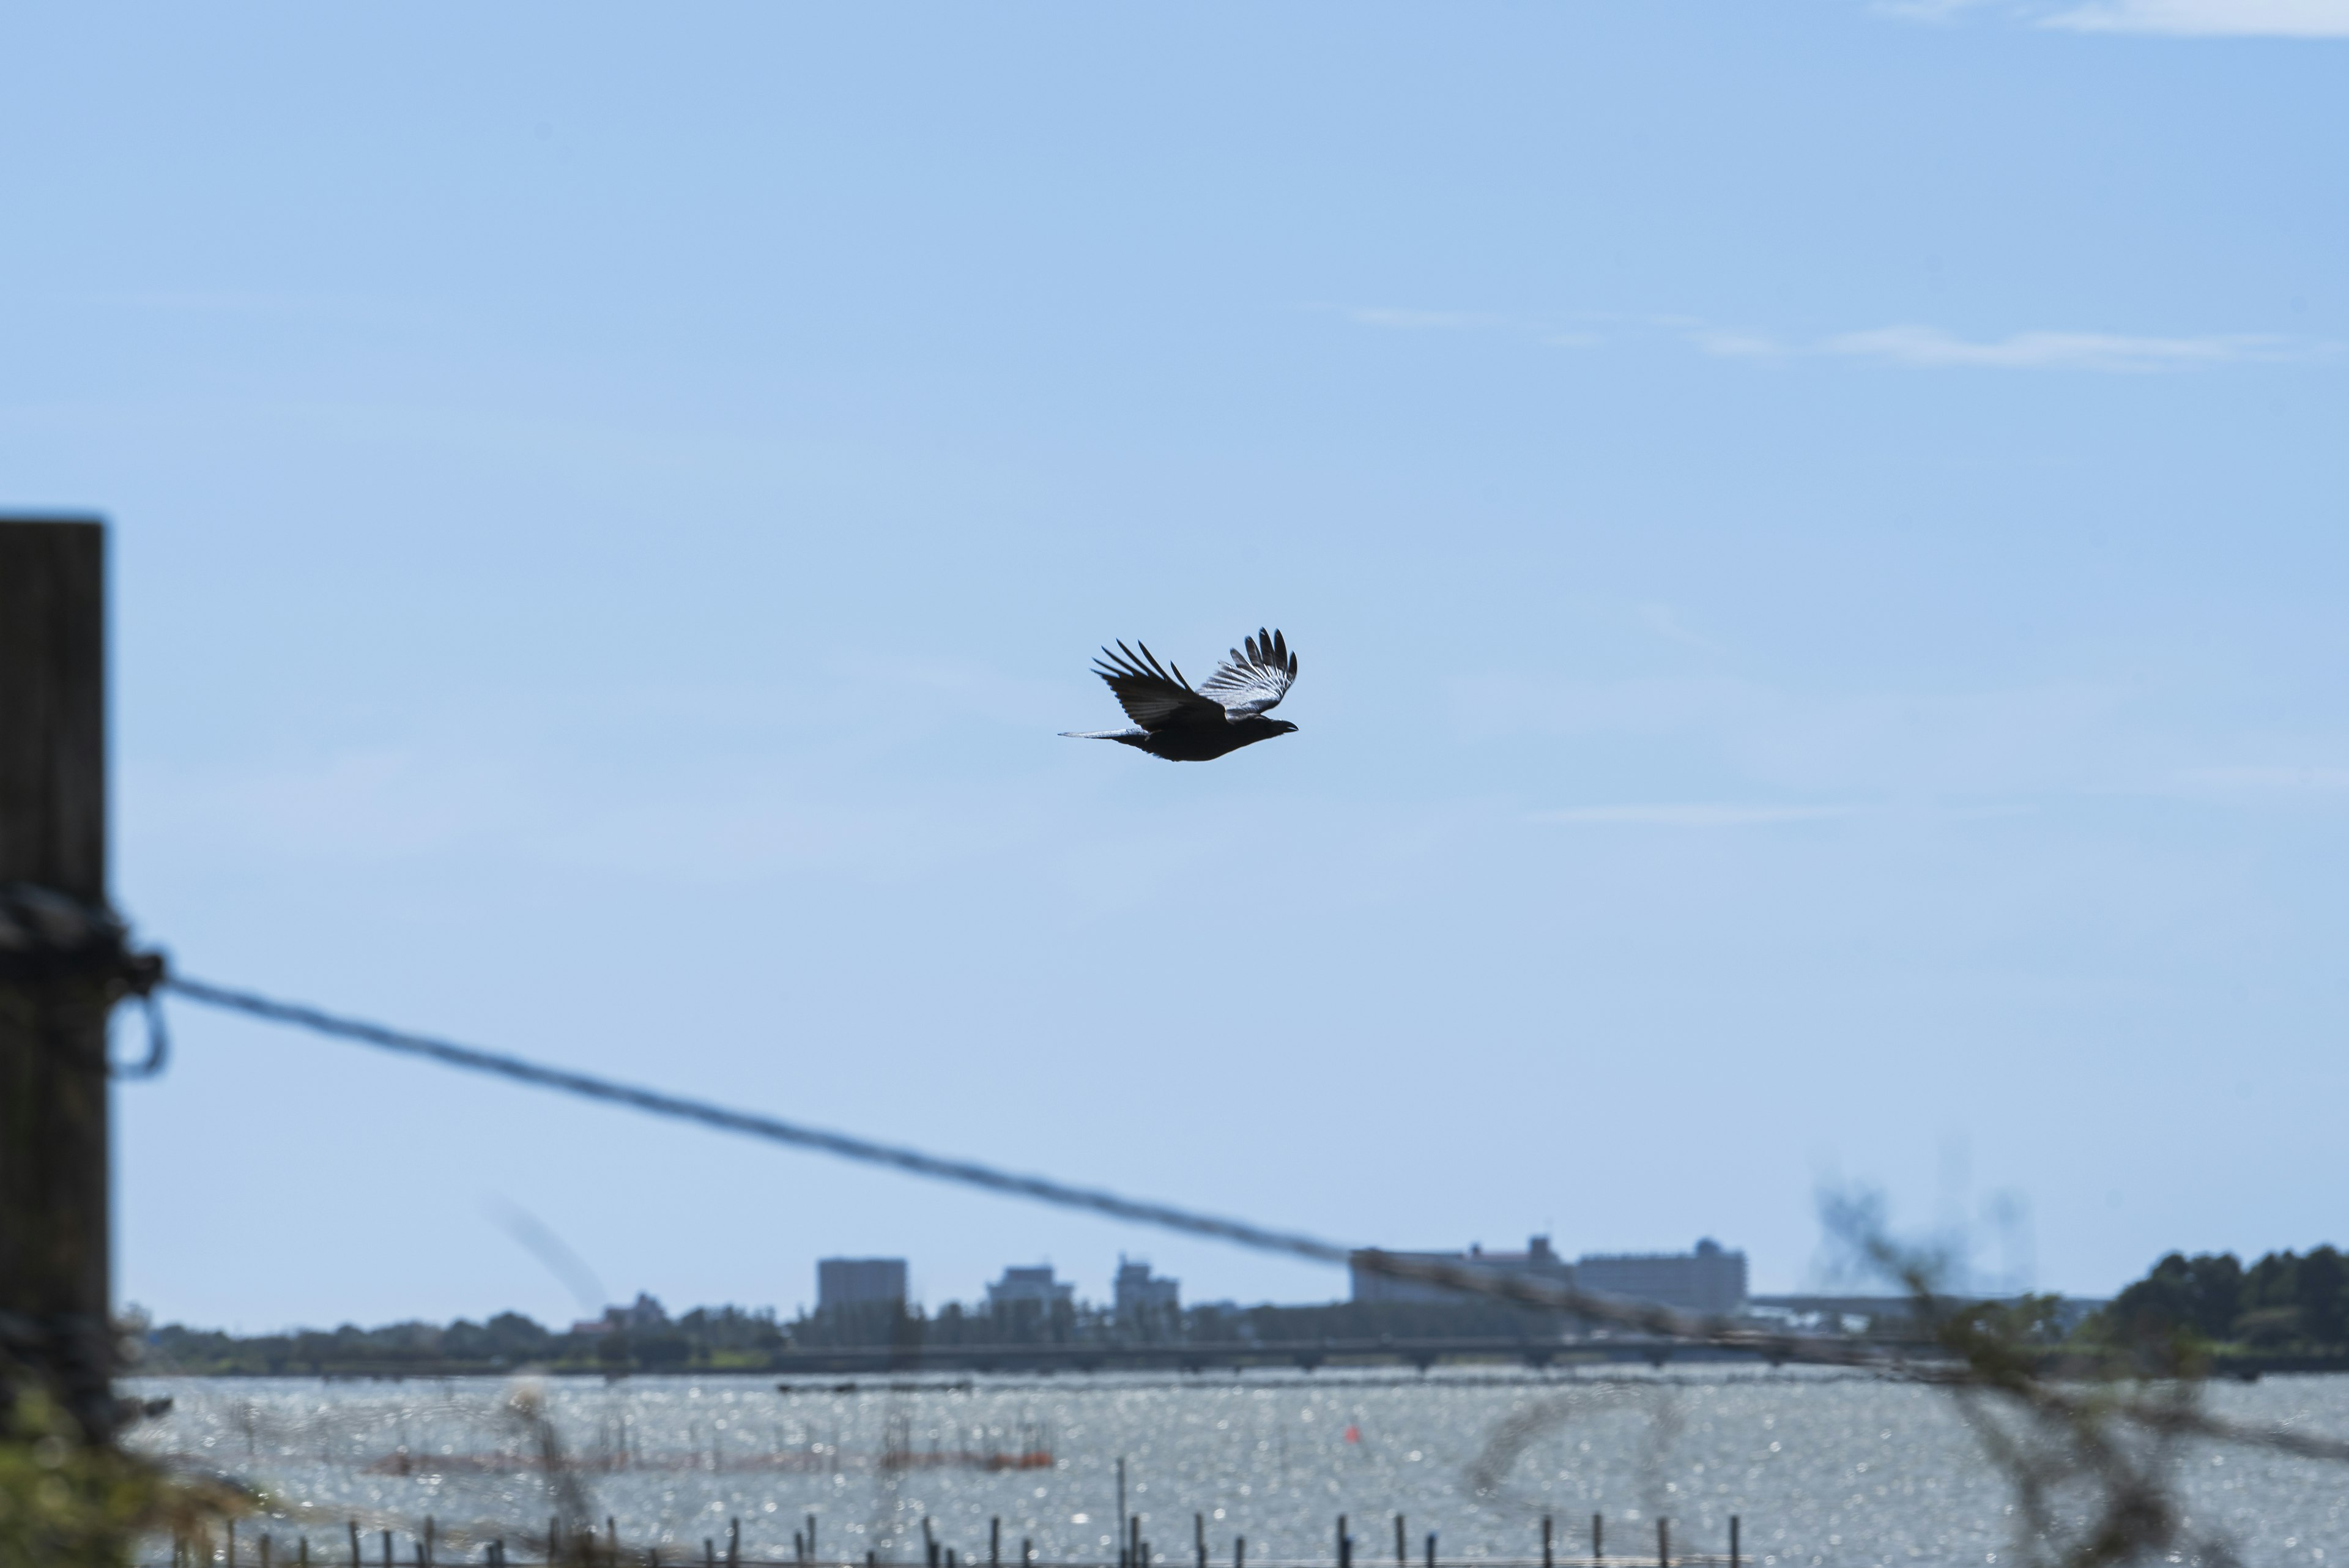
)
(1931, 348)
(2171, 18)
(2267, 780)
(2209, 18)
(1935, 348)
(1737, 344)
(1402, 318)
(1551, 334)
(1717, 813)
(1668, 623)
(1910, 345)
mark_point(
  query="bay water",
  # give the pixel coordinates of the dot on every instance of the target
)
(1821, 1468)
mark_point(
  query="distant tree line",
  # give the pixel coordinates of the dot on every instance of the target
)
(718, 1338)
(2284, 1302)
(712, 1337)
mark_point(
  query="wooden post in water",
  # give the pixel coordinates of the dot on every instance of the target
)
(1598, 1538)
(264, 1549)
(1733, 1541)
(1239, 1552)
(1663, 1543)
(811, 1537)
(734, 1542)
(1548, 1560)
(995, 1542)
(1431, 1549)
(430, 1531)
(1403, 1548)
(1199, 1537)
(355, 1543)
(387, 1549)
(1345, 1545)
(54, 1247)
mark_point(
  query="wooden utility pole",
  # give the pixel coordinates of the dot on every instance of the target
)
(55, 1279)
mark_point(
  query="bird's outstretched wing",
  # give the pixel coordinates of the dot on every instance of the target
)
(1150, 696)
(1254, 682)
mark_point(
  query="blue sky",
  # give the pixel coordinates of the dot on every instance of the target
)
(1813, 533)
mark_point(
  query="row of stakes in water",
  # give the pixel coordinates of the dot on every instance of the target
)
(584, 1546)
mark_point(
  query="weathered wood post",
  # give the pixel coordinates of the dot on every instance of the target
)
(1548, 1560)
(1663, 1543)
(734, 1542)
(1199, 1537)
(55, 1290)
(995, 1542)
(1431, 1549)
(355, 1543)
(1733, 1541)
(1598, 1538)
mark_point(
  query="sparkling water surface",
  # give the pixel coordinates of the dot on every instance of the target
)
(1823, 1469)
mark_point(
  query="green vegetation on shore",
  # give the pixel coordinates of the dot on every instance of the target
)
(2286, 1301)
(730, 1339)
(2284, 1304)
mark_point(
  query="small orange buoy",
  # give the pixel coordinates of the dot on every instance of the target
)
(1353, 1433)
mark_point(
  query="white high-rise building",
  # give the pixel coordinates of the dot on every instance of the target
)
(1142, 1298)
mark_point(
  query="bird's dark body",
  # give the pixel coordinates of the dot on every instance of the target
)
(1205, 742)
(1184, 723)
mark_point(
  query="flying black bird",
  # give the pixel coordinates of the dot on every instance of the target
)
(1226, 710)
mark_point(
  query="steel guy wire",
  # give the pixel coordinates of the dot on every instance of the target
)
(1486, 1280)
